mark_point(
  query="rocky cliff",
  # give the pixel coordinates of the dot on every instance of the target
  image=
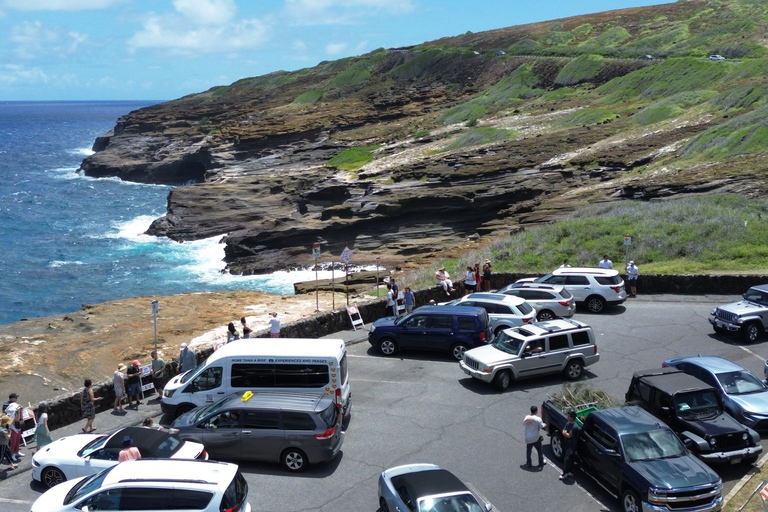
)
(464, 139)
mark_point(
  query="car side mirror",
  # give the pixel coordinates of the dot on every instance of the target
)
(611, 453)
(666, 410)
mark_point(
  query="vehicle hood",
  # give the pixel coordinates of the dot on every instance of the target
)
(65, 448)
(185, 420)
(490, 355)
(721, 424)
(53, 498)
(387, 321)
(679, 472)
(190, 450)
(741, 307)
(755, 403)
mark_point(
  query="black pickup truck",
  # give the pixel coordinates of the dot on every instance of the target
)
(640, 460)
(694, 410)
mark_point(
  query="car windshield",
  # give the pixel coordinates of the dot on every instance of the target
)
(91, 447)
(507, 343)
(86, 486)
(209, 409)
(756, 296)
(740, 382)
(660, 443)
(465, 502)
(697, 403)
(543, 279)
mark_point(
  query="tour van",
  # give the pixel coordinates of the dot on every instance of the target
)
(262, 364)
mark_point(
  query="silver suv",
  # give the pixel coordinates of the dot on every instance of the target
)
(549, 300)
(749, 316)
(556, 346)
(596, 288)
(504, 311)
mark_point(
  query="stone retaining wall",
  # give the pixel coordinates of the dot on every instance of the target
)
(66, 409)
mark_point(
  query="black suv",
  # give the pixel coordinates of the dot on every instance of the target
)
(443, 328)
(694, 410)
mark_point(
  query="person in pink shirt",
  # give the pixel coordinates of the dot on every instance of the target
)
(129, 452)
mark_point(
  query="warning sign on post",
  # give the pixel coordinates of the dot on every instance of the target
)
(346, 255)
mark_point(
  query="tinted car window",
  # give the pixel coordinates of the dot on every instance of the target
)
(576, 280)
(525, 308)
(329, 415)
(641, 391)
(467, 323)
(439, 322)
(235, 494)
(416, 322)
(262, 420)
(565, 294)
(554, 280)
(608, 281)
(298, 421)
(343, 368)
(105, 500)
(279, 375)
(147, 498)
(580, 338)
(209, 379)
(558, 342)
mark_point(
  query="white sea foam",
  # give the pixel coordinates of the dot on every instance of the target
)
(61, 263)
(81, 151)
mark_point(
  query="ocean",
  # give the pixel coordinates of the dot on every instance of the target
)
(68, 240)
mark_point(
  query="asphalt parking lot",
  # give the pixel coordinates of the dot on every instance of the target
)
(420, 407)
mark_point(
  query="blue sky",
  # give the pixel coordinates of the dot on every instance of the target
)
(164, 49)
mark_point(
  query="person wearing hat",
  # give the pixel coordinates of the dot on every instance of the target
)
(444, 280)
(14, 411)
(187, 359)
(632, 273)
(133, 383)
(5, 436)
(118, 382)
(129, 452)
(487, 268)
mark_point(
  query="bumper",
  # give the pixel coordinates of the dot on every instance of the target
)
(169, 409)
(325, 453)
(732, 457)
(720, 324)
(37, 473)
(715, 506)
(616, 302)
(485, 377)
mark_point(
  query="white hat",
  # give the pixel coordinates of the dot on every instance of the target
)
(631, 262)
(183, 346)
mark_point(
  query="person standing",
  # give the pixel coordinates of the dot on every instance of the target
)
(408, 299)
(5, 439)
(42, 432)
(395, 288)
(87, 406)
(118, 383)
(17, 425)
(533, 425)
(391, 302)
(232, 333)
(158, 373)
(605, 262)
(570, 434)
(129, 452)
(187, 359)
(632, 273)
(246, 329)
(565, 264)
(487, 272)
(470, 281)
(133, 383)
(444, 279)
(478, 278)
(274, 325)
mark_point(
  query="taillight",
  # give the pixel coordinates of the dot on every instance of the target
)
(526, 320)
(617, 289)
(203, 455)
(338, 398)
(565, 303)
(482, 336)
(595, 349)
(233, 509)
(663, 365)
(327, 434)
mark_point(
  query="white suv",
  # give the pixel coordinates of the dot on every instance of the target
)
(504, 311)
(595, 288)
(152, 485)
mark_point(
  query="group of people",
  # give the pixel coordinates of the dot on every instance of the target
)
(126, 382)
(233, 334)
(632, 272)
(13, 424)
(395, 298)
(476, 279)
(533, 424)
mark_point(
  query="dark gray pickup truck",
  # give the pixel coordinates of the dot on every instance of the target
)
(640, 460)
(694, 410)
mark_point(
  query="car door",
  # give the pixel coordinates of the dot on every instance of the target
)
(578, 286)
(533, 356)
(413, 333)
(439, 332)
(220, 434)
(601, 452)
(262, 437)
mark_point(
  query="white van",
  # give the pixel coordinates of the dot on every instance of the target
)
(262, 364)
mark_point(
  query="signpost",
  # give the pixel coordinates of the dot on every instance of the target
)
(378, 262)
(316, 255)
(346, 255)
(155, 310)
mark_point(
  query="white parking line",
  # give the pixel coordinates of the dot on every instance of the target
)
(379, 381)
(745, 349)
(17, 502)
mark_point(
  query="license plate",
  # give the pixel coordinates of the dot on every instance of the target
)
(719, 323)
(736, 461)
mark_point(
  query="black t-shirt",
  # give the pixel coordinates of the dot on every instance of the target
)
(573, 429)
(133, 375)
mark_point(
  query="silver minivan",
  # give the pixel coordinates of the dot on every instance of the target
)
(294, 429)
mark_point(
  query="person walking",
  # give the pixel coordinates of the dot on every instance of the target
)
(470, 281)
(408, 299)
(14, 411)
(274, 325)
(5, 440)
(487, 273)
(187, 359)
(118, 383)
(605, 262)
(42, 432)
(533, 425)
(129, 452)
(88, 407)
(158, 374)
(133, 383)
(570, 434)
(632, 273)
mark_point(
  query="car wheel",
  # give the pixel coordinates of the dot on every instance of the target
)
(544, 315)
(630, 501)
(558, 446)
(502, 380)
(383, 505)
(52, 477)
(294, 460)
(595, 304)
(458, 349)
(573, 370)
(387, 346)
(750, 332)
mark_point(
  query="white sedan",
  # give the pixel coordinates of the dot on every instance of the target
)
(87, 454)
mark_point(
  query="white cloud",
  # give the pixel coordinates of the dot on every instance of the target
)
(335, 48)
(13, 74)
(56, 5)
(34, 41)
(206, 12)
(299, 46)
